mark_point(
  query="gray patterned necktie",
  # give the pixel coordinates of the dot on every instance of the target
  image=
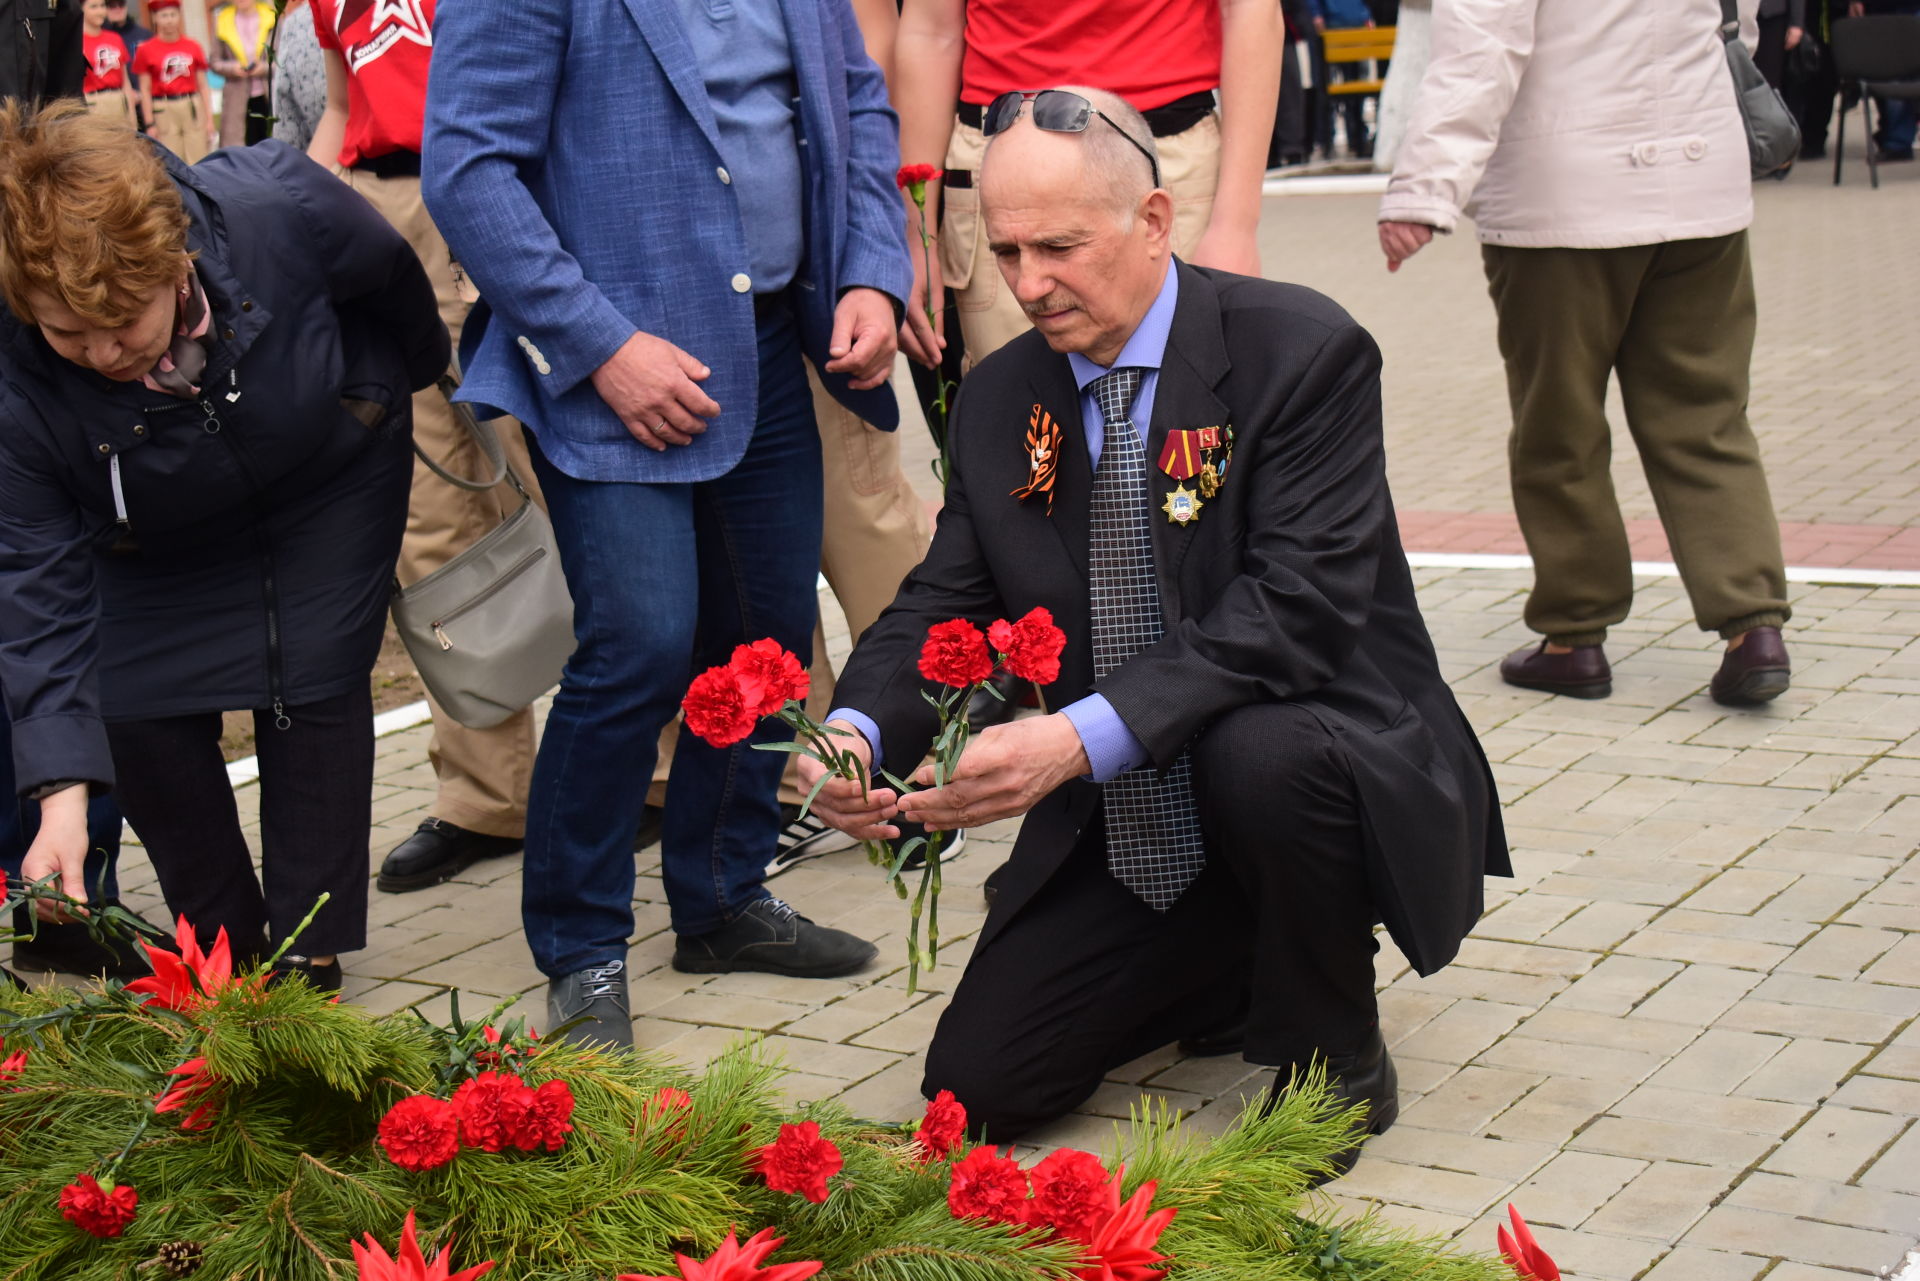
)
(1154, 846)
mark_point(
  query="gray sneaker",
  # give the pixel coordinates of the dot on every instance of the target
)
(771, 938)
(598, 992)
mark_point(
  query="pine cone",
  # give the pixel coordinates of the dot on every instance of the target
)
(180, 1258)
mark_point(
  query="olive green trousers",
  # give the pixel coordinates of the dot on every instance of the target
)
(1675, 323)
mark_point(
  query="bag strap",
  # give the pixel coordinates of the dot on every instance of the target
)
(482, 434)
(1729, 21)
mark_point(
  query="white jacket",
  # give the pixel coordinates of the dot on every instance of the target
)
(1583, 124)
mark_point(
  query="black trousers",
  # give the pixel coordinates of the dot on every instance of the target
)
(1087, 977)
(316, 801)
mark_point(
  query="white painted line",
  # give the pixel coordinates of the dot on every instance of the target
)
(247, 768)
(1834, 577)
(1327, 184)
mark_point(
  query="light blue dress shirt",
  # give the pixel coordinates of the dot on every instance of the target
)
(741, 48)
(1111, 748)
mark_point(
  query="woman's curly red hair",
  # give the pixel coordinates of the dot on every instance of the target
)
(87, 215)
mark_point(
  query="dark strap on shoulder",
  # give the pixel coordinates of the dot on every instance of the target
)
(1729, 20)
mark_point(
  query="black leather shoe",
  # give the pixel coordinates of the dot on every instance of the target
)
(1580, 673)
(68, 949)
(1366, 1076)
(769, 937)
(438, 851)
(324, 978)
(1228, 1038)
(1755, 673)
(990, 888)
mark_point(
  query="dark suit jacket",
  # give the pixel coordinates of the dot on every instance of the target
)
(1290, 587)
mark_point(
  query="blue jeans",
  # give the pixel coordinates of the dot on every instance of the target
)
(20, 823)
(666, 580)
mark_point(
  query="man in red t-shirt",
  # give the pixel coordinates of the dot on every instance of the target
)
(1165, 57)
(108, 90)
(173, 85)
(377, 57)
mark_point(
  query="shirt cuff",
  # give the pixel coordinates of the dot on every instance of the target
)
(1111, 748)
(868, 730)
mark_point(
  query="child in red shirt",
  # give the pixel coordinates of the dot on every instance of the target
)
(108, 90)
(173, 86)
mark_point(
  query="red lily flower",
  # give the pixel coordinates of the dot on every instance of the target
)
(180, 982)
(1122, 1247)
(736, 1262)
(409, 1264)
(1523, 1253)
(196, 1088)
(12, 1066)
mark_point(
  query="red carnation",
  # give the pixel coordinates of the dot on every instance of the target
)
(778, 673)
(799, 1161)
(989, 1186)
(720, 707)
(736, 1261)
(102, 1211)
(1071, 1193)
(490, 1107)
(547, 1121)
(944, 1125)
(666, 1101)
(914, 179)
(1032, 646)
(197, 1089)
(420, 1133)
(1122, 1247)
(955, 654)
(502, 1051)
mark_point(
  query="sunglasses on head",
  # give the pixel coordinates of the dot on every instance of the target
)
(1056, 111)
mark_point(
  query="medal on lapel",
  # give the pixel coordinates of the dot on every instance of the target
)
(1043, 457)
(1213, 473)
(1182, 506)
(1186, 455)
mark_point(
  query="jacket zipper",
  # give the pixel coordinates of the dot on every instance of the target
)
(519, 567)
(269, 587)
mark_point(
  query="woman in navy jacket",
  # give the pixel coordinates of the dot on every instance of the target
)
(204, 464)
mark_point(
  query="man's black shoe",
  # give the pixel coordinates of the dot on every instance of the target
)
(67, 948)
(990, 888)
(438, 851)
(769, 937)
(1226, 1037)
(1366, 1076)
(653, 820)
(324, 978)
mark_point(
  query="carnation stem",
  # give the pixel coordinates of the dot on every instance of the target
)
(299, 929)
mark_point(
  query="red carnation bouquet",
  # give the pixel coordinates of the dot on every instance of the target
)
(725, 703)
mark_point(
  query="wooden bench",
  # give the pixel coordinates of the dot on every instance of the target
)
(1357, 44)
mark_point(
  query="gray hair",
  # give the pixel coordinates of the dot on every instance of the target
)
(1115, 164)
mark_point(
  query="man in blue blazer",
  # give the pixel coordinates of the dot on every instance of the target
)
(664, 204)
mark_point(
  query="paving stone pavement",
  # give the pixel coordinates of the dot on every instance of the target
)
(1683, 1038)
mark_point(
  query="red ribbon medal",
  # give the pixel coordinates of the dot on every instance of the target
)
(1180, 457)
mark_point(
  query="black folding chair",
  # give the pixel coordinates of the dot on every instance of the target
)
(1880, 56)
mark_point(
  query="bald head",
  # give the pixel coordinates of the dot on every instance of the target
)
(1077, 225)
(1109, 166)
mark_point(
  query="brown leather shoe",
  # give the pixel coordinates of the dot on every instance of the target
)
(1582, 673)
(1755, 673)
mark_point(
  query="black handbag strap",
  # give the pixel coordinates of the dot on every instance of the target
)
(483, 435)
(1729, 21)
